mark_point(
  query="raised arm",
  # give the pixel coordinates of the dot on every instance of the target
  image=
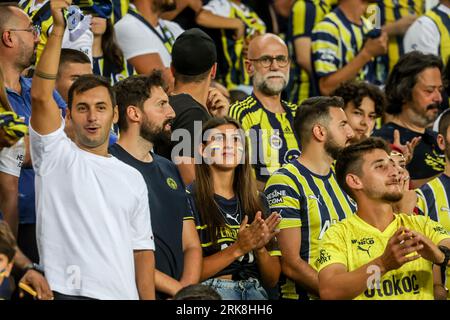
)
(46, 116)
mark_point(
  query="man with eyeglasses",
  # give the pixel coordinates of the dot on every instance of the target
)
(264, 116)
(18, 45)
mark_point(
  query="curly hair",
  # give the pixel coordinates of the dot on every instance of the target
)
(355, 91)
(403, 78)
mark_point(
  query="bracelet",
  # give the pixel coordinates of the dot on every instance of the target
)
(44, 75)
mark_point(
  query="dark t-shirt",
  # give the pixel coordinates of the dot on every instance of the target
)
(244, 267)
(428, 160)
(189, 115)
(168, 207)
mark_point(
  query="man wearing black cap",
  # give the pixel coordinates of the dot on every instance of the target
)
(194, 66)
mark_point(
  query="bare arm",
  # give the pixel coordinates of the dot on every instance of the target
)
(144, 261)
(303, 53)
(292, 265)
(146, 63)
(46, 116)
(208, 19)
(269, 267)
(166, 284)
(192, 254)
(372, 48)
(399, 27)
(9, 193)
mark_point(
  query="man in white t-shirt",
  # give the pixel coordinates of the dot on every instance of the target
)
(93, 224)
(145, 39)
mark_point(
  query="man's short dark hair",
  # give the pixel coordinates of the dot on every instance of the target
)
(133, 91)
(312, 111)
(444, 123)
(350, 159)
(87, 82)
(403, 78)
(355, 91)
(197, 292)
(73, 56)
(7, 242)
(182, 78)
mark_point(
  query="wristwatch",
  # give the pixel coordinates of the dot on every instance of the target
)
(35, 267)
(443, 265)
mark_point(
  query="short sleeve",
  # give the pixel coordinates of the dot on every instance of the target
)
(133, 40)
(189, 213)
(434, 230)
(303, 19)
(284, 198)
(219, 7)
(423, 36)
(141, 226)
(49, 151)
(332, 248)
(325, 48)
(11, 158)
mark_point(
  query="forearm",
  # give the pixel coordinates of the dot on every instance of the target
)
(301, 273)
(348, 285)
(329, 83)
(9, 192)
(218, 261)
(192, 266)
(20, 260)
(398, 27)
(145, 274)
(166, 284)
(269, 267)
(47, 68)
(209, 20)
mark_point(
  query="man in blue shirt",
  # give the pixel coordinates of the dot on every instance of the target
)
(17, 54)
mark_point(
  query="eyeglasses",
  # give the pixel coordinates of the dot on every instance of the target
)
(35, 30)
(266, 61)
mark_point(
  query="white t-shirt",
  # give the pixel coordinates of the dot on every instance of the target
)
(92, 212)
(11, 158)
(136, 39)
(423, 35)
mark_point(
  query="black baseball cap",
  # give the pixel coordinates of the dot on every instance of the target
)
(193, 53)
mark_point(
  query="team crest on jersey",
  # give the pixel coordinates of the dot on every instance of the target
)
(171, 183)
(291, 154)
(276, 142)
(364, 245)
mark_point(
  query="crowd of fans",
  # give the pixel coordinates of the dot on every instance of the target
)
(224, 149)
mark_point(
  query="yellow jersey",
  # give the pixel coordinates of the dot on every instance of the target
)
(354, 243)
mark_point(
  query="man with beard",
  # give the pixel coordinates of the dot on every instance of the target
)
(145, 117)
(376, 254)
(268, 120)
(413, 91)
(17, 53)
(306, 194)
(434, 198)
(145, 39)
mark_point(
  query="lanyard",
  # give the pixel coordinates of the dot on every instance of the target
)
(166, 41)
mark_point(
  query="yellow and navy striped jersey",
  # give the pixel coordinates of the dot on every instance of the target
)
(309, 202)
(271, 135)
(120, 8)
(336, 41)
(442, 22)
(354, 243)
(44, 22)
(391, 11)
(433, 200)
(305, 14)
(233, 68)
(102, 68)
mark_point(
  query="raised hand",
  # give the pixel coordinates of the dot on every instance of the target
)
(408, 148)
(56, 7)
(217, 103)
(429, 250)
(399, 246)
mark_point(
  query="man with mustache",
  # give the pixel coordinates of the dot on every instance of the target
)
(306, 194)
(145, 118)
(147, 40)
(264, 116)
(414, 93)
